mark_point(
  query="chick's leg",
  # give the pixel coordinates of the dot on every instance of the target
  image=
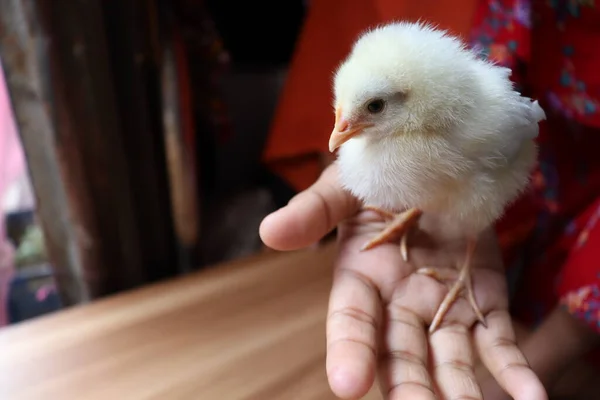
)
(400, 223)
(463, 282)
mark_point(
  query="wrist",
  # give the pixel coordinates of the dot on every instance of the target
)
(556, 344)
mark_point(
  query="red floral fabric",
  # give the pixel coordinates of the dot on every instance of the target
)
(551, 236)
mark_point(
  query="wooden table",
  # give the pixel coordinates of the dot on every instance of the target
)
(253, 329)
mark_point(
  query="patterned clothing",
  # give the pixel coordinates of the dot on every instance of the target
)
(551, 236)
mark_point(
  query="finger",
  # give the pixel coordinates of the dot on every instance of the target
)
(404, 373)
(352, 325)
(310, 215)
(453, 361)
(498, 350)
(362, 279)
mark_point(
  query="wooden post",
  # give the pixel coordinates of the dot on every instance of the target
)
(94, 149)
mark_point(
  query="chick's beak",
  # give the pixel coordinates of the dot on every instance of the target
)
(343, 131)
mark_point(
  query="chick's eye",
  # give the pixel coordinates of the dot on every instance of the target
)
(376, 106)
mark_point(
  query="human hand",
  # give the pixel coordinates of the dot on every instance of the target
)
(555, 351)
(379, 310)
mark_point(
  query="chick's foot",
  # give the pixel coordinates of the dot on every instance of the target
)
(399, 224)
(463, 282)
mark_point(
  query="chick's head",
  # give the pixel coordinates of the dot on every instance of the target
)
(399, 79)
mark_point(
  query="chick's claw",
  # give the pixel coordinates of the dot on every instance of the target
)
(385, 214)
(440, 274)
(462, 282)
(400, 224)
(404, 246)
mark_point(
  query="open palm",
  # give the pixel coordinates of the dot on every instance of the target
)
(379, 310)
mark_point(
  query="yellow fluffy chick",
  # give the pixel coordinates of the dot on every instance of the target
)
(425, 126)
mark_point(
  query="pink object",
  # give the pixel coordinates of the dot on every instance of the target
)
(12, 159)
(12, 166)
(42, 293)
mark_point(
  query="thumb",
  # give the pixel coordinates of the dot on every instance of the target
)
(310, 215)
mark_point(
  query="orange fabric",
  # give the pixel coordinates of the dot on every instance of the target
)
(304, 118)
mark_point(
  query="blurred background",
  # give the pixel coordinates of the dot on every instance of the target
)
(144, 139)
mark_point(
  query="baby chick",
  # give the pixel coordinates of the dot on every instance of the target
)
(425, 126)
